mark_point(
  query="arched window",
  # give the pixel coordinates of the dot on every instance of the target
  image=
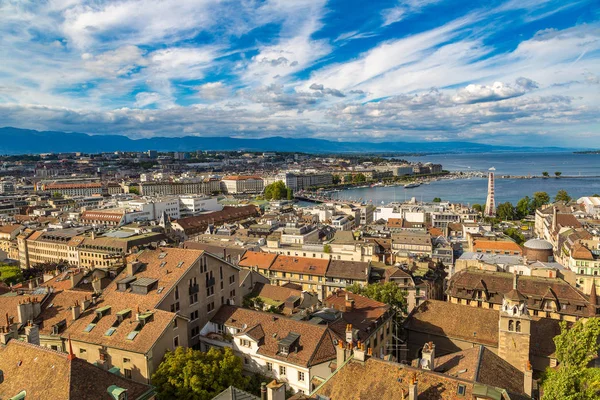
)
(518, 326)
(511, 325)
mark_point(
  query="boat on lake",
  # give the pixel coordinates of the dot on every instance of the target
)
(412, 185)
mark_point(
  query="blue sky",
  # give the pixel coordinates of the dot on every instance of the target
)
(517, 72)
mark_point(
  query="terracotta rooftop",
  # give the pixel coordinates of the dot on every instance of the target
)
(411, 238)
(302, 265)
(455, 321)
(240, 177)
(58, 308)
(535, 289)
(8, 229)
(364, 314)
(496, 245)
(479, 364)
(257, 259)
(47, 374)
(274, 292)
(381, 380)
(315, 343)
(444, 319)
(356, 270)
(227, 214)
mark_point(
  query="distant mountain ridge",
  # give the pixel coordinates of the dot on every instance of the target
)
(25, 141)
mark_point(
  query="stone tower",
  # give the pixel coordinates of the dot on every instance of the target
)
(514, 329)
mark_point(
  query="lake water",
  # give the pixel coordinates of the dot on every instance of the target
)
(474, 190)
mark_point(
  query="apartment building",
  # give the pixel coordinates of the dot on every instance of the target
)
(412, 243)
(544, 297)
(298, 181)
(296, 353)
(41, 247)
(33, 372)
(191, 205)
(206, 186)
(320, 276)
(104, 217)
(76, 189)
(362, 320)
(237, 184)
(160, 301)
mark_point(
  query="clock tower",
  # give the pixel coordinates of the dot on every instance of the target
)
(514, 328)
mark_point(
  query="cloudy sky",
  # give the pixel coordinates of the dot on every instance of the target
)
(517, 72)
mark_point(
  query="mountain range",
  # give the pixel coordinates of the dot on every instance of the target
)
(25, 141)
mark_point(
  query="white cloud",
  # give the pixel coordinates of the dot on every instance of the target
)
(213, 91)
(114, 63)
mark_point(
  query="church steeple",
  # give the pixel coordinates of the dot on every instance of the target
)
(514, 328)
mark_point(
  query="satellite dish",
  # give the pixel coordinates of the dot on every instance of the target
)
(424, 363)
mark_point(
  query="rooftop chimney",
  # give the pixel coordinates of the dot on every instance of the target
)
(28, 310)
(428, 360)
(85, 304)
(349, 333)
(359, 352)
(528, 380)
(276, 391)
(76, 310)
(76, 278)
(413, 394)
(132, 267)
(263, 391)
(348, 303)
(554, 215)
(32, 333)
(97, 285)
(340, 353)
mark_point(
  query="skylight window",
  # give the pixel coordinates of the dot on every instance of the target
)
(89, 328)
(132, 335)
(110, 331)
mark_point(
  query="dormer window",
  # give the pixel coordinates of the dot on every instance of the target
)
(288, 344)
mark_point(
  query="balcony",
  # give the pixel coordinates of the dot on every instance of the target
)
(193, 289)
(210, 282)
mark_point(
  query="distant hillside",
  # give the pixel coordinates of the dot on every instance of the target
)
(24, 141)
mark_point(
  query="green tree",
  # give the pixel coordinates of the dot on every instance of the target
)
(359, 178)
(596, 195)
(477, 207)
(506, 211)
(347, 178)
(545, 174)
(557, 174)
(573, 379)
(192, 374)
(336, 179)
(327, 249)
(523, 207)
(539, 199)
(388, 293)
(275, 191)
(515, 235)
(437, 200)
(290, 194)
(562, 195)
(134, 190)
(10, 274)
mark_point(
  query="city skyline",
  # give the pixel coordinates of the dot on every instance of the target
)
(421, 70)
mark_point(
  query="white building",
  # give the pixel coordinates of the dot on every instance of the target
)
(591, 205)
(290, 351)
(236, 184)
(192, 205)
